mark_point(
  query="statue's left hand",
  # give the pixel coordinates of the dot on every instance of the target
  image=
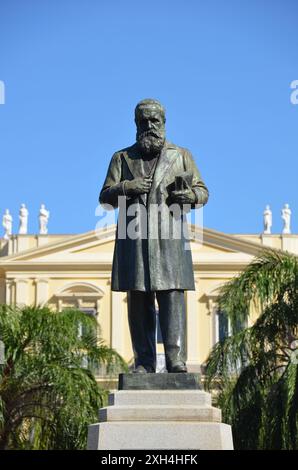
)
(183, 196)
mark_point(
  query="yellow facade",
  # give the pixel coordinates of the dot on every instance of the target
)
(75, 270)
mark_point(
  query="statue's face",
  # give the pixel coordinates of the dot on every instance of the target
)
(150, 130)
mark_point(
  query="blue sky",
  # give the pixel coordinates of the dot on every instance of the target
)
(74, 70)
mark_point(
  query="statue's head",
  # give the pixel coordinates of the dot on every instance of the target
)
(150, 121)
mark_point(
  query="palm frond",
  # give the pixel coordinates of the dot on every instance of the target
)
(255, 370)
(48, 393)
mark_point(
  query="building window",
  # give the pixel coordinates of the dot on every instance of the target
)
(158, 330)
(160, 357)
(82, 330)
(223, 326)
(87, 363)
(89, 311)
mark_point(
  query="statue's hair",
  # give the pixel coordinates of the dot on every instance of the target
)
(149, 102)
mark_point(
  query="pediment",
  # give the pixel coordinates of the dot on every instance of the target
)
(209, 248)
(92, 247)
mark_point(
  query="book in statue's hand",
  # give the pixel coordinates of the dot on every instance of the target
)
(183, 181)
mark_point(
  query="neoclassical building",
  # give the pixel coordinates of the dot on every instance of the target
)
(74, 270)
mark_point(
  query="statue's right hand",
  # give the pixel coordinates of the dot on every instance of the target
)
(138, 186)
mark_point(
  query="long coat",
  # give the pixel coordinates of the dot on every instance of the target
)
(155, 262)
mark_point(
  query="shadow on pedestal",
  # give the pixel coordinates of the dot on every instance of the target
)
(160, 381)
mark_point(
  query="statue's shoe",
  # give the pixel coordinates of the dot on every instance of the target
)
(143, 370)
(177, 368)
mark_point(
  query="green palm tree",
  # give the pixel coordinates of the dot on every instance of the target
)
(255, 370)
(48, 395)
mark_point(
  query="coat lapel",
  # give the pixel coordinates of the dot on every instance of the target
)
(135, 165)
(134, 162)
(166, 160)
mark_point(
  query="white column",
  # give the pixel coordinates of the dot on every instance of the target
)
(2, 291)
(8, 292)
(21, 291)
(216, 326)
(214, 321)
(192, 321)
(117, 327)
(42, 291)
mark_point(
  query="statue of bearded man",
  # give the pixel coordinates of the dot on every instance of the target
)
(154, 268)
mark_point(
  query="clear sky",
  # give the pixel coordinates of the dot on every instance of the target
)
(74, 69)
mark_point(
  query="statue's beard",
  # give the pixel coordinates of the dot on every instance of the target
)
(151, 142)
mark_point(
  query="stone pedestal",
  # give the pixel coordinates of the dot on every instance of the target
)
(156, 411)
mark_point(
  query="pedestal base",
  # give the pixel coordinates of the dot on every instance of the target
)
(160, 419)
(163, 435)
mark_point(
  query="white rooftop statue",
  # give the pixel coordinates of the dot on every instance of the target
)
(286, 217)
(7, 224)
(23, 217)
(44, 215)
(267, 220)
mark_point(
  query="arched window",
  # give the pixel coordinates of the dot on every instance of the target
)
(82, 295)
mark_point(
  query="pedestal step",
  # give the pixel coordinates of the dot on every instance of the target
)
(160, 397)
(160, 413)
(160, 435)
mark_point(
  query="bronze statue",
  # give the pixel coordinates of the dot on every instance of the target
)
(154, 173)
